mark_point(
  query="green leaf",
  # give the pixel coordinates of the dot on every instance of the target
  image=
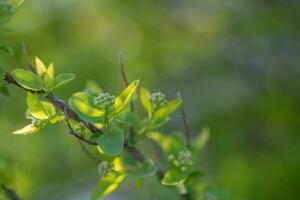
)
(107, 185)
(124, 98)
(27, 79)
(173, 177)
(201, 141)
(83, 105)
(49, 76)
(8, 10)
(168, 109)
(144, 96)
(57, 118)
(62, 79)
(169, 143)
(132, 119)
(5, 50)
(27, 130)
(4, 90)
(39, 109)
(112, 142)
(148, 168)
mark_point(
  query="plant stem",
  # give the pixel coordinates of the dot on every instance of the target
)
(186, 130)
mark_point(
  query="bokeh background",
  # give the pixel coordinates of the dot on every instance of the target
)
(236, 63)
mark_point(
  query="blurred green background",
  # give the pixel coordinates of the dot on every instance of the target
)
(236, 63)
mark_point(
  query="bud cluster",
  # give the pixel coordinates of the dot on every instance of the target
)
(104, 168)
(182, 160)
(157, 100)
(105, 100)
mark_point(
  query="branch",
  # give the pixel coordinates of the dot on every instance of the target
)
(29, 65)
(9, 193)
(186, 130)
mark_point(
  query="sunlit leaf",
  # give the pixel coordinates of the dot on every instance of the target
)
(124, 98)
(40, 66)
(173, 177)
(148, 168)
(49, 75)
(27, 130)
(168, 109)
(62, 79)
(144, 96)
(83, 105)
(107, 185)
(39, 109)
(27, 79)
(112, 142)
(56, 119)
(169, 143)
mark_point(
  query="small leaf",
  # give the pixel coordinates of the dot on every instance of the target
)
(173, 177)
(40, 66)
(49, 75)
(201, 141)
(145, 94)
(112, 142)
(124, 98)
(107, 185)
(39, 109)
(27, 130)
(148, 168)
(27, 79)
(6, 50)
(172, 143)
(62, 79)
(168, 109)
(57, 118)
(3, 89)
(83, 105)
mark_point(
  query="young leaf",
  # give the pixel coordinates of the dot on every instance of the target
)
(148, 168)
(27, 130)
(173, 177)
(40, 66)
(49, 75)
(27, 79)
(39, 109)
(168, 109)
(83, 105)
(125, 98)
(201, 141)
(6, 50)
(169, 143)
(107, 185)
(62, 79)
(145, 94)
(112, 142)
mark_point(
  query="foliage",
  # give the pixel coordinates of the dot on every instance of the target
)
(115, 127)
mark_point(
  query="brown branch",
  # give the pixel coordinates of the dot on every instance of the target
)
(9, 193)
(186, 130)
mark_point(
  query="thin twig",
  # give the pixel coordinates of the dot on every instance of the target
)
(186, 130)
(9, 193)
(125, 79)
(24, 50)
(87, 152)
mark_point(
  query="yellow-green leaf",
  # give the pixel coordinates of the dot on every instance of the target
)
(124, 98)
(40, 66)
(27, 130)
(49, 75)
(39, 109)
(144, 96)
(62, 79)
(173, 177)
(83, 105)
(168, 109)
(27, 79)
(107, 185)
